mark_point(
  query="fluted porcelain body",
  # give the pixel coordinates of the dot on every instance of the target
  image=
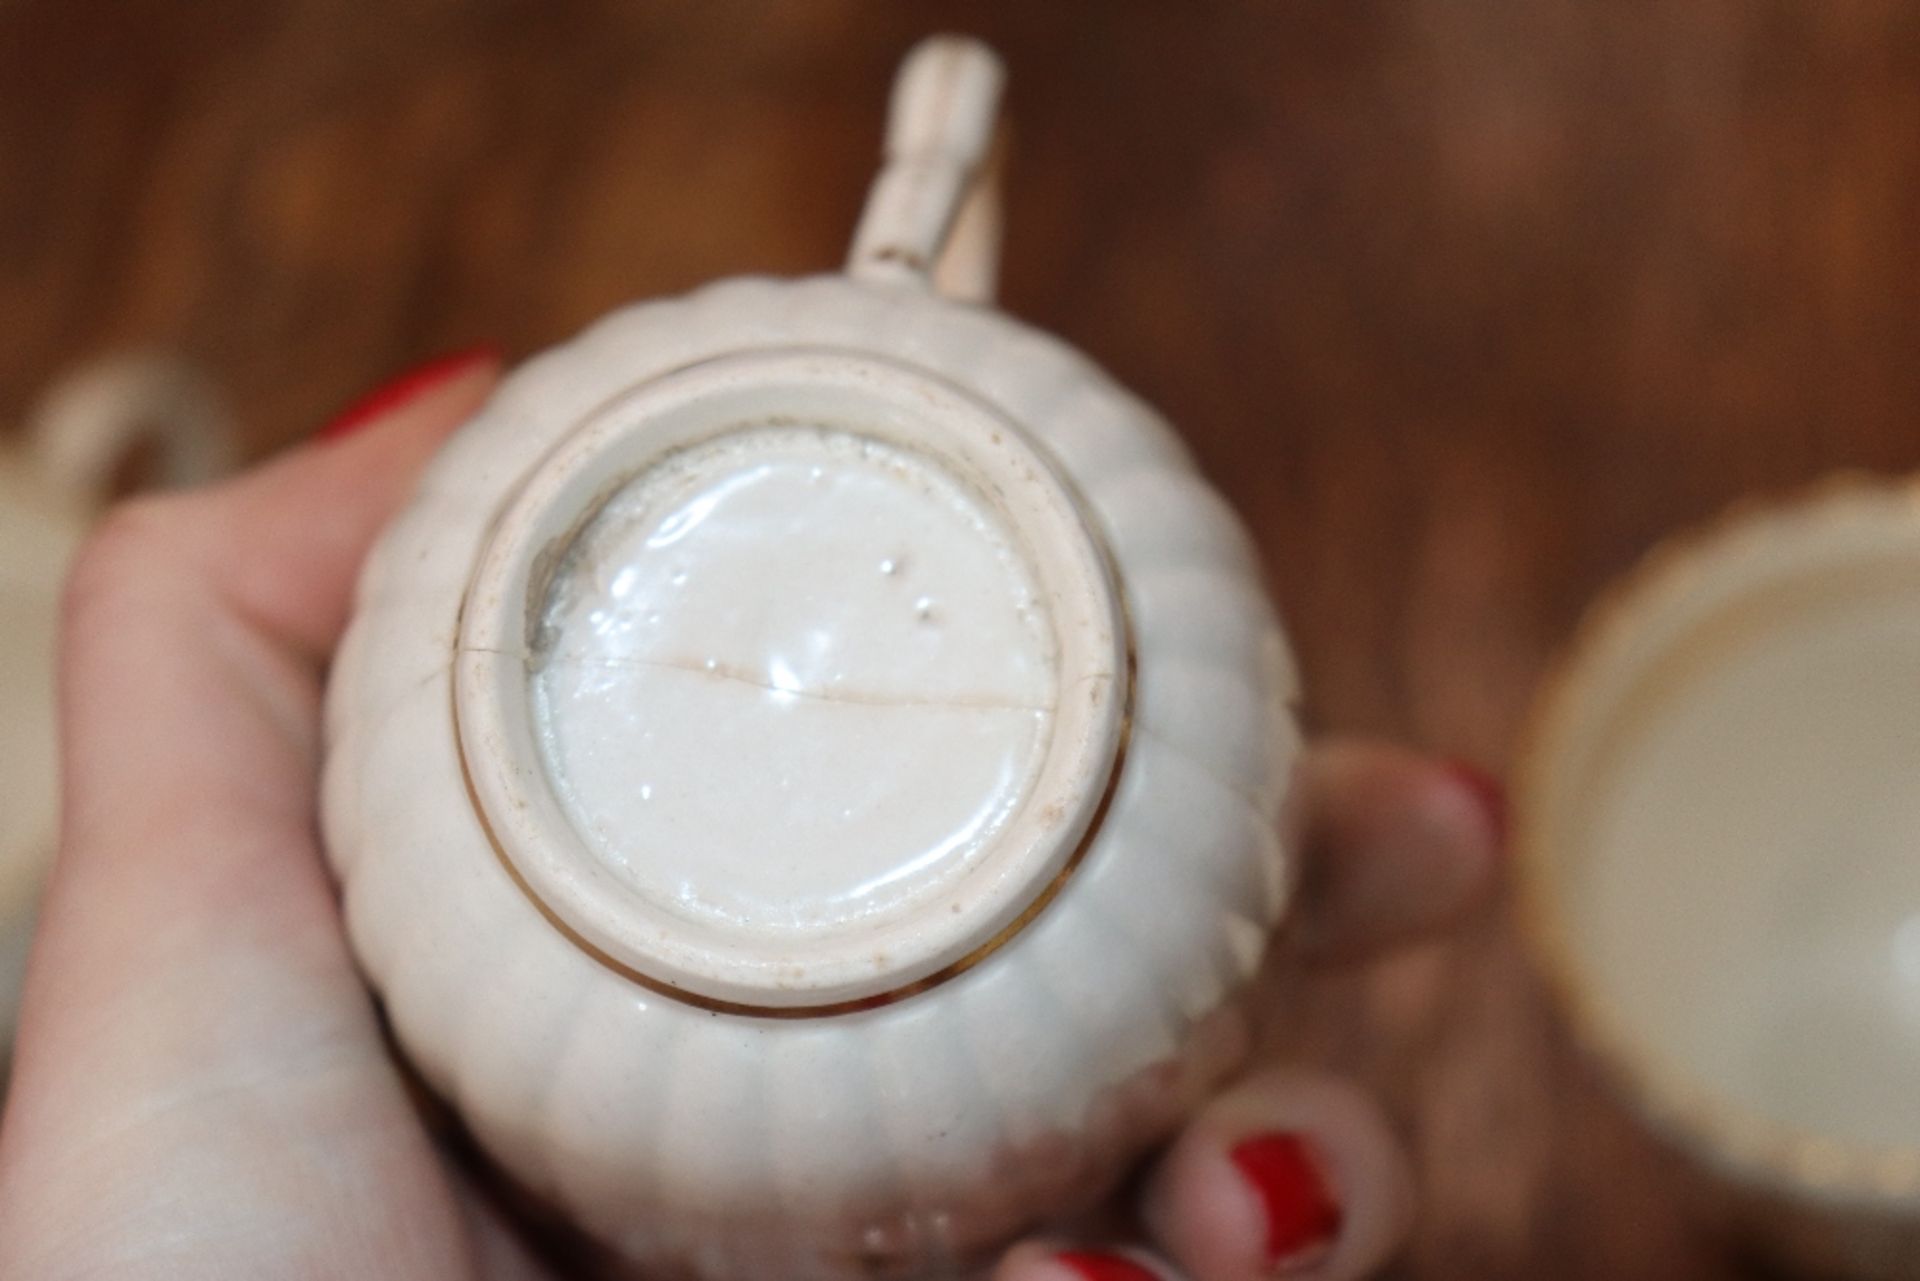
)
(709, 1090)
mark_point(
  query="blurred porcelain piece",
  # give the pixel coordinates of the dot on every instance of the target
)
(50, 489)
(807, 768)
(1720, 835)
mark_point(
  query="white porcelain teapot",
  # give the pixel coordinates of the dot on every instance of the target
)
(806, 770)
(50, 490)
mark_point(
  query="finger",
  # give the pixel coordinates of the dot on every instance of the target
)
(1395, 846)
(286, 540)
(1056, 1261)
(194, 1044)
(243, 588)
(1291, 1172)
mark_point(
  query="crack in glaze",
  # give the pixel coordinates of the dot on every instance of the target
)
(736, 675)
(1262, 811)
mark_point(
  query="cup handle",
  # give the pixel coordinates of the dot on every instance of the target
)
(86, 424)
(932, 218)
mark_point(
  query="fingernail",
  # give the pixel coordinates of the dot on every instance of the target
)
(408, 386)
(1303, 1217)
(1096, 1265)
(1485, 789)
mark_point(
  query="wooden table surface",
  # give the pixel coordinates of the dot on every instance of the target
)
(1463, 304)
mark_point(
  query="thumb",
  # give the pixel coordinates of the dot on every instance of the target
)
(195, 1049)
(285, 541)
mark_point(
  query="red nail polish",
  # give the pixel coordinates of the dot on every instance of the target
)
(1094, 1265)
(397, 391)
(1487, 790)
(1303, 1218)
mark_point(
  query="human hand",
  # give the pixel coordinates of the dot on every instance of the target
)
(201, 1087)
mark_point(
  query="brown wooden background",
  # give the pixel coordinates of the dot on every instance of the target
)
(1463, 302)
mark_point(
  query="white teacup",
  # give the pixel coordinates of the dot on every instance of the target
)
(1718, 817)
(49, 492)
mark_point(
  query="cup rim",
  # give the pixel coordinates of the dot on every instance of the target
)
(1737, 1139)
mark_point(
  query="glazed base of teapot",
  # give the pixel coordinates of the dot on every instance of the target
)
(840, 620)
(813, 700)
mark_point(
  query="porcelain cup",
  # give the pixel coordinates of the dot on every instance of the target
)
(1718, 819)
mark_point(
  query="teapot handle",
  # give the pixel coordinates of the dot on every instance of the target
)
(932, 217)
(86, 425)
